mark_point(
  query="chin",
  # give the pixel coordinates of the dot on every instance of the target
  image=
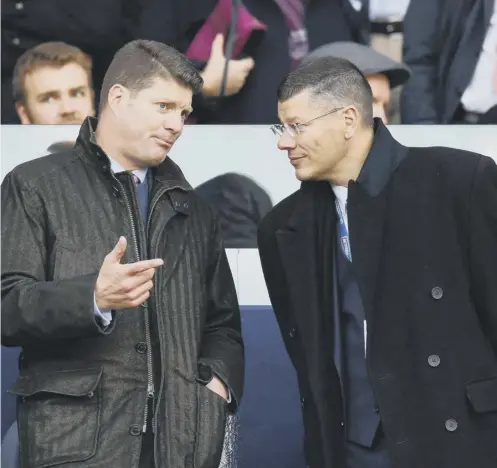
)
(304, 175)
(158, 159)
(157, 156)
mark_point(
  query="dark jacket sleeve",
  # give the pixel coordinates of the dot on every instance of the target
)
(222, 345)
(421, 43)
(483, 246)
(33, 308)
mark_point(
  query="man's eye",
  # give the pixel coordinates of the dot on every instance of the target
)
(162, 106)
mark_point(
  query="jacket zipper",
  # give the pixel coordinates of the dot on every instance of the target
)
(159, 320)
(150, 374)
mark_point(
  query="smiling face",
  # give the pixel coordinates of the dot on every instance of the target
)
(319, 146)
(150, 121)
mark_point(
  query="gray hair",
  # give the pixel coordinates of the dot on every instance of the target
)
(334, 79)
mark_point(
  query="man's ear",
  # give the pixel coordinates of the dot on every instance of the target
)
(352, 121)
(118, 95)
(23, 113)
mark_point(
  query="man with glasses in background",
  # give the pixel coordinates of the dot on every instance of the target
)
(381, 271)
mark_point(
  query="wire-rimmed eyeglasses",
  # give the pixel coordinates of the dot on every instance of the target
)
(296, 128)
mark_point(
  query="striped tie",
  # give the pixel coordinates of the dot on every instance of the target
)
(294, 13)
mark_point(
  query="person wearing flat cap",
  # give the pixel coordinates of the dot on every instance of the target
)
(382, 73)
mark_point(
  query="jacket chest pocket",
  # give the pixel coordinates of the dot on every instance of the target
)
(71, 262)
(58, 416)
(482, 395)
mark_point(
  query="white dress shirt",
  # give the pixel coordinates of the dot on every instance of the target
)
(105, 315)
(387, 10)
(481, 94)
(341, 193)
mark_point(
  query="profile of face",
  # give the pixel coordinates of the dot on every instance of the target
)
(316, 134)
(380, 86)
(56, 95)
(151, 120)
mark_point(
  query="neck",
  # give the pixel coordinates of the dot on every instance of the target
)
(351, 164)
(104, 136)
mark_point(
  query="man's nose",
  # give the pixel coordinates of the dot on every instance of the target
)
(286, 141)
(66, 106)
(174, 122)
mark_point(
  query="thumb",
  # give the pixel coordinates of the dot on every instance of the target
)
(248, 63)
(217, 47)
(118, 251)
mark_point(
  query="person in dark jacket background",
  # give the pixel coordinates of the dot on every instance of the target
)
(116, 285)
(241, 204)
(451, 48)
(98, 27)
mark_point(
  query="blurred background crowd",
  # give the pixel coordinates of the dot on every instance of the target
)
(428, 61)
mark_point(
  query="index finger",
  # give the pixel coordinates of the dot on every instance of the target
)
(143, 265)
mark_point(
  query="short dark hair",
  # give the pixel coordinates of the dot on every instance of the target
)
(331, 77)
(138, 63)
(47, 54)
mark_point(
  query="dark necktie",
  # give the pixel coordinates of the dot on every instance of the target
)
(294, 13)
(142, 196)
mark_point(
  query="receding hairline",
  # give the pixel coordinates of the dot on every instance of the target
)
(330, 80)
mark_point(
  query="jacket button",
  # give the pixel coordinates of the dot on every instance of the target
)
(135, 430)
(434, 360)
(302, 401)
(292, 332)
(376, 409)
(141, 347)
(437, 293)
(451, 425)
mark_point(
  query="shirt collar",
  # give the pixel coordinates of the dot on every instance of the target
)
(116, 167)
(340, 192)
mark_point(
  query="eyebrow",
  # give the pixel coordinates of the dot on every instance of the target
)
(78, 88)
(47, 94)
(292, 120)
(57, 92)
